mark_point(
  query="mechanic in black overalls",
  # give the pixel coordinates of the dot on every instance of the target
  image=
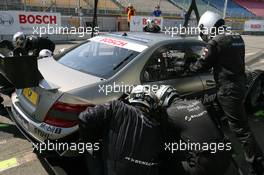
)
(225, 53)
(25, 45)
(188, 121)
(131, 134)
(6, 48)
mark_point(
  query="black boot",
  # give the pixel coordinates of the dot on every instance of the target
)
(258, 166)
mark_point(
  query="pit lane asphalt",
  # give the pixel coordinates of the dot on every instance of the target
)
(16, 157)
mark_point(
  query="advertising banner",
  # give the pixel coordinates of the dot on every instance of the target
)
(254, 26)
(137, 23)
(14, 21)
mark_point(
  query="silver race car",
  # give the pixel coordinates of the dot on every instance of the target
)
(102, 69)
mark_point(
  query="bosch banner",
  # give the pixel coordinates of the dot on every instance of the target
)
(137, 23)
(254, 26)
(14, 21)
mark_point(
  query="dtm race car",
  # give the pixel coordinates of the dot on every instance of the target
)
(102, 69)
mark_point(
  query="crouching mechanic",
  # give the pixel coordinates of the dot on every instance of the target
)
(188, 123)
(25, 45)
(151, 27)
(131, 134)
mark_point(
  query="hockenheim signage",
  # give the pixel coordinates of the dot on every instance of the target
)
(14, 21)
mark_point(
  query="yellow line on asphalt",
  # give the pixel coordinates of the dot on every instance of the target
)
(6, 164)
(14, 162)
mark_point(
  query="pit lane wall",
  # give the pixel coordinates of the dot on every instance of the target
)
(14, 21)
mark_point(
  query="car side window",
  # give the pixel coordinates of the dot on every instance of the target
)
(171, 62)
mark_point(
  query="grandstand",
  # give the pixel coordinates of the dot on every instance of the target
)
(233, 9)
(68, 7)
(172, 8)
(201, 5)
(254, 6)
(147, 6)
(11, 4)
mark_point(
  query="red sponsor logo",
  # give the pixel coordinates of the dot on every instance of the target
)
(157, 21)
(114, 42)
(37, 19)
(255, 26)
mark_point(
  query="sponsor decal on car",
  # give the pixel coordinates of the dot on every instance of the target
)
(51, 129)
(119, 43)
(23, 122)
(209, 98)
(41, 133)
(206, 98)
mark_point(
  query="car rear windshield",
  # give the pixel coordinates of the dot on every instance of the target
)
(97, 58)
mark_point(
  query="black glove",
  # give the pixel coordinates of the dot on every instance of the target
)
(19, 52)
(192, 159)
(6, 44)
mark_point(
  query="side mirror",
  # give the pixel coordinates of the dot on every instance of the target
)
(45, 53)
(62, 50)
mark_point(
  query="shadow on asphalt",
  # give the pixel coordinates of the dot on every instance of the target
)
(65, 166)
(10, 129)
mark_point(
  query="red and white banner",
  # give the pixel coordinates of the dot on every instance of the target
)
(119, 43)
(254, 26)
(14, 21)
(137, 23)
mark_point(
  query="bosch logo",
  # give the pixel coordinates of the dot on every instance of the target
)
(6, 19)
(157, 21)
(255, 26)
(37, 19)
(114, 42)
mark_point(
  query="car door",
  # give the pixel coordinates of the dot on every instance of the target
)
(168, 65)
(196, 50)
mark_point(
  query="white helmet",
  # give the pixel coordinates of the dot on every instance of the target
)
(45, 53)
(208, 23)
(142, 94)
(166, 94)
(19, 39)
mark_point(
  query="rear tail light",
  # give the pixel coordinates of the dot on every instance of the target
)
(56, 114)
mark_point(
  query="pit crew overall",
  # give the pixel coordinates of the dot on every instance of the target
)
(132, 139)
(190, 122)
(35, 45)
(226, 55)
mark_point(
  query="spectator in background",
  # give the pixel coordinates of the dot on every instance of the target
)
(157, 12)
(130, 12)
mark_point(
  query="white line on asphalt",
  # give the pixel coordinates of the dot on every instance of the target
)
(250, 53)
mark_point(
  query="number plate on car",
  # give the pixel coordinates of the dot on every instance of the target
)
(31, 95)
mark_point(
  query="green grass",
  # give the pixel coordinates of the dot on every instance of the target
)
(3, 125)
(259, 113)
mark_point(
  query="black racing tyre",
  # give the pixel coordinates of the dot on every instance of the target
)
(255, 100)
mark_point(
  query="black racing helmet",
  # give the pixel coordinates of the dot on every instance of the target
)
(166, 94)
(142, 94)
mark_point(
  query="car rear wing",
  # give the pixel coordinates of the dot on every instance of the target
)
(21, 71)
